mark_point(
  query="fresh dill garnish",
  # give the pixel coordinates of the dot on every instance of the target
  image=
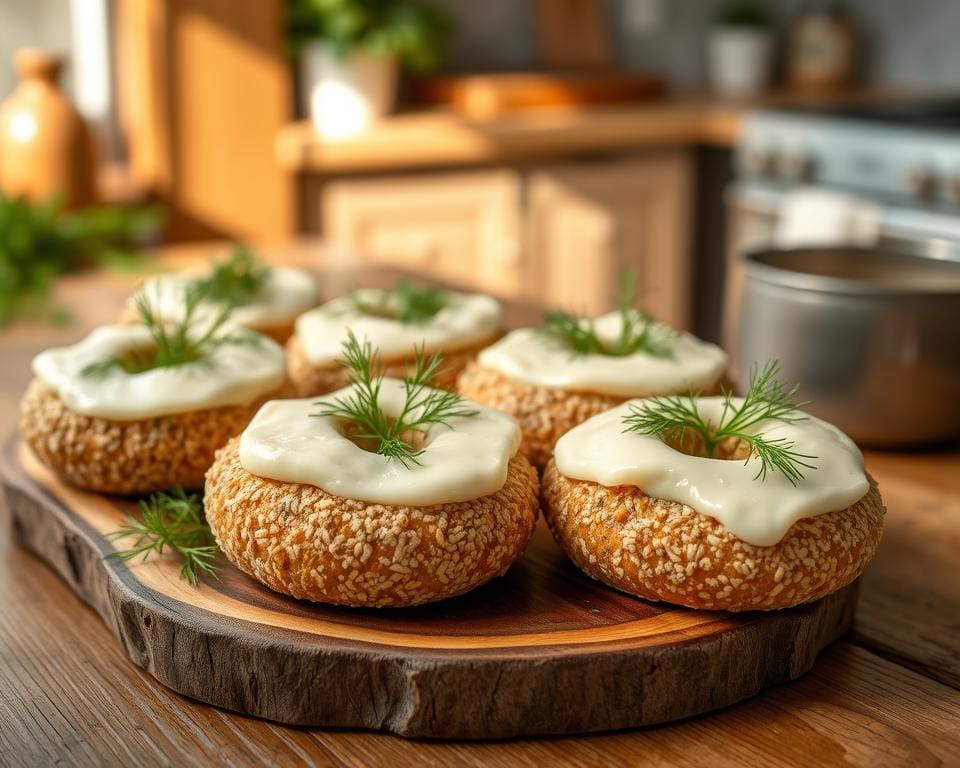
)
(674, 418)
(176, 343)
(397, 438)
(406, 302)
(171, 521)
(638, 331)
(237, 280)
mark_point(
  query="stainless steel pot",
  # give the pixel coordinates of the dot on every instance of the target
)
(872, 337)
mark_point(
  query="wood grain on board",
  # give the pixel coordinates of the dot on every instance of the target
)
(543, 650)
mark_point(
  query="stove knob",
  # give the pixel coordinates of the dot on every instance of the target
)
(797, 166)
(952, 190)
(921, 182)
(758, 161)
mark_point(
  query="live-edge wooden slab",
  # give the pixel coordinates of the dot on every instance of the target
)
(542, 650)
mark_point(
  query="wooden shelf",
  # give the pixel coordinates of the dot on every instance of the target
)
(443, 138)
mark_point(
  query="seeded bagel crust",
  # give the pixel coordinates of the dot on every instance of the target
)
(665, 551)
(545, 414)
(127, 457)
(309, 379)
(302, 541)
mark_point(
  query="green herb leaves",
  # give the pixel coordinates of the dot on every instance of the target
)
(638, 332)
(414, 31)
(237, 280)
(171, 521)
(39, 242)
(189, 340)
(397, 437)
(676, 418)
(405, 302)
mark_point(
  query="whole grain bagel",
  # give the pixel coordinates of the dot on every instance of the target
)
(308, 379)
(665, 551)
(304, 542)
(127, 457)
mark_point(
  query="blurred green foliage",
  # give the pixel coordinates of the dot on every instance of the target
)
(414, 31)
(40, 241)
(743, 13)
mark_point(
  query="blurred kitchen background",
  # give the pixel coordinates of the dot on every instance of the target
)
(529, 148)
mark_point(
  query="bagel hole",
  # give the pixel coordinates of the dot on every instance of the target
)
(142, 358)
(352, 431)
(379, 310)
(692, 443)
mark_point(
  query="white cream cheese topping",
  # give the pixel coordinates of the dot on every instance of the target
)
(237, 374)
(286, 293)
(757, 512)
(467, 319)
(463, 461)
(527, 356)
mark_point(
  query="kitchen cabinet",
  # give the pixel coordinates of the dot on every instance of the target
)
(459, 227)
(555, 234)
(587, 221)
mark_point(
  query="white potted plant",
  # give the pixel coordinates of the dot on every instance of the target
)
(350, 51)
(740, 47)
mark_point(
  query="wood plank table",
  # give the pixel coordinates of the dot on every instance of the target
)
(885, 695)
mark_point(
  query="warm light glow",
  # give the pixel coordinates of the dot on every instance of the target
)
(339, 110)
(23, 127)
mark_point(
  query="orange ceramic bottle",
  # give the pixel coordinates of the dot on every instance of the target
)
(45, 147)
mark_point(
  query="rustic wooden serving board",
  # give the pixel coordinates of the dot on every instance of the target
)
(541, 650)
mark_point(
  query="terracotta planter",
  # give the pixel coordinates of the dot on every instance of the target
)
(45, 147)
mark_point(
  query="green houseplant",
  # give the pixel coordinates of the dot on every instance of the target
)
(740, 48)
(349, 52)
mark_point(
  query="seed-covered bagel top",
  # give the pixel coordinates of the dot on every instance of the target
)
(729, 490)
(531, 357)
(231, 374)
(464, 458)
(456, 321)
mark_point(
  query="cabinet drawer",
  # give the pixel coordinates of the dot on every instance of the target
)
(462, 227)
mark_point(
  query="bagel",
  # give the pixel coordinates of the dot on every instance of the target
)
(308, 380)
(664, 520)
(287, 293)
(126, 457)
(302, 541)
(457, 325)
(549, 389)
(668, 552)
(134, 432)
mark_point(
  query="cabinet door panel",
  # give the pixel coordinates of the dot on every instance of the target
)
(588, 220)
(460, 227)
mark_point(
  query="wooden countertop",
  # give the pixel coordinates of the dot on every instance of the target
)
(443, 138)
(887, 694)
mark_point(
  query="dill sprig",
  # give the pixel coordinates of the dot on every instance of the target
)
(237, 280)
(406, 302)
(176, 343)
(397, 438)
(674, 418)
(638, 331)
(171, 521)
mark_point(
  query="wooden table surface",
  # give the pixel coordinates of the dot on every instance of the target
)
(886, 695)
